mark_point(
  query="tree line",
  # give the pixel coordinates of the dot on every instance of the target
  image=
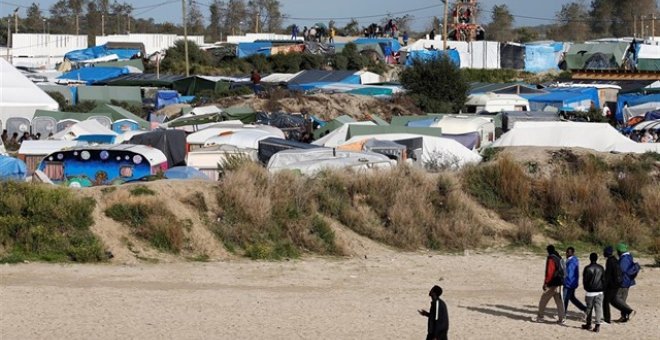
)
(577, 21)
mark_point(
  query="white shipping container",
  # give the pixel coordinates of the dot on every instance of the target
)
(152, 42)
(45, 45)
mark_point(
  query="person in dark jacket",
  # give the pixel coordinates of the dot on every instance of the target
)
(552, 285)
(628, 270)
(572, 280)
(593, 280)
(438, 323)
(612, 285)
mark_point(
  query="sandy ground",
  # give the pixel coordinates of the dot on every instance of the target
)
(488, 296)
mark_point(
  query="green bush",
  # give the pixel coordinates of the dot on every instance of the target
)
(436, 85)
(141, 190)
(199, 60)
(46, 224)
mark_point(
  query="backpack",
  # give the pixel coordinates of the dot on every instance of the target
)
(560, 269)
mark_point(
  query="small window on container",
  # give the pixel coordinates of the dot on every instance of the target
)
(54, 171)
(126, 171)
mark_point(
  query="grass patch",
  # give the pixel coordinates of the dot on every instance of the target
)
(41, 223)
(141, 190)
(197, 201)
(149, 220)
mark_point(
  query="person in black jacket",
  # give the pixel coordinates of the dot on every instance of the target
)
(438, 324)
(593, 280)
(612, 285)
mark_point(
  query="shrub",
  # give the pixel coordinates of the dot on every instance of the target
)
(436, 85)
(148, 219)
(47, 224)
(175, 61)
(500, 185)
(141, 190)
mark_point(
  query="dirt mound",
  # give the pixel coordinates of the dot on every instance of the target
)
(327, 106)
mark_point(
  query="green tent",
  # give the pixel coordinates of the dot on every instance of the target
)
(137, 63)
(404, 120)
(245, 114)
(361, 130)
(121, 113)
(333, 125)
(578, 55)
(196, 120)
(145, 80)
(106, 94)
(192, 86)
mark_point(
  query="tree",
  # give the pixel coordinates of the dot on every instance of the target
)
(34, 19)
(234, 20)
(215, 28)
(120, 14)
(352, 28)
(93, 20)
(525, 34)
(195, 20)
(267, 12)
(601, 15)
(625, 13)
(60, 17)
(435, 85)
(501, 26)
(573, 24)
(76, 7)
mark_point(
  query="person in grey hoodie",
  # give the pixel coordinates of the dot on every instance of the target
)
(593, 280)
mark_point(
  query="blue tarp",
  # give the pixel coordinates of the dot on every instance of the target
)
(92, 75)
(427, 55)
(185, 172)
(652, 115)
(100, 51)
(249, 49)
(167, 97)
(388, 45)
(540, 58)
(421, 123)
(633, 99)
(74, 94)
(572, 97)
(12, 169)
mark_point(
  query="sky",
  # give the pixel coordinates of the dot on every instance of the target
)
(308, 12)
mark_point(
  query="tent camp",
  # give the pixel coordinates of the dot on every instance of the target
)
(596, 136)
(118, 113)
(198, 139)
(493, 102)
(242, 139)
(601, 56)
(172, 143)
(643, 102)
(12, 169)
(106, 94)
(20, 97)
(208, 160)
(87, 130)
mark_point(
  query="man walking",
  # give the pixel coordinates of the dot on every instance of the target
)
(438, 324)
(294, 32)
(593, 280)
(612, 284)
(629, 271)
(572, 280)
(554, 277)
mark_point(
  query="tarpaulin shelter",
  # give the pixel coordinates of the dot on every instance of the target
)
(245, 50)
(312, 161)
(542, 57)
(88, 130)
(192, 86)
(270, 146)
(648, 58)
(577, 98)
(512, 56)
(106, 94)
(519, 88)
(332, 126)
(78, 116)
(12, 169)
(172, 143)
(428, 55)
(509, 118)
(145, 80)
(387, 45)
(93, 75)
(634, 99)
(20, 97)
(185, 172)
(133, 63)
(164, 98)
(596, 56)
(101, 51)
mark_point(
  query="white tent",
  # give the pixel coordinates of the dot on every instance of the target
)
(436, 151)
(242, 139)
(596, 136)
(200, 137)
(84, 128)
(338, 136)
(312, 161)
(20, 97)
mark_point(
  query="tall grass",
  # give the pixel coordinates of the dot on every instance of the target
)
(47, 224)
(583, 199)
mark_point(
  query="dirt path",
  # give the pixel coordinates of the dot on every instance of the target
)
(489, 297)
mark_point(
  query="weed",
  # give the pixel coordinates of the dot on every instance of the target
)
(108, 190)
(141, 190)
(197, 201)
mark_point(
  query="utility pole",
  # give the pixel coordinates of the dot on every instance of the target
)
(8, 37)
(77, 25)
(653, 27)
(641, 19)
(103, 24)
(256, 22)
(128, 23)
(16, 20)
(444, 26)
(634, 26)
(185, 37)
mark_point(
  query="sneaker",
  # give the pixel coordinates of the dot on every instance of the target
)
(562, 321)
(597, 329)
(630, 316)
(538, 319)
(587, 327)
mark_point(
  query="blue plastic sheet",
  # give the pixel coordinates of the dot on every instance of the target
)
(165, 98)
(92, 75)
(12, 169)
(249, 49)
(392, 45)
(185, 172)
(100, 51)
(540, 58)
(633, 99)
(421, 123)
(427, 55)
(565, 97)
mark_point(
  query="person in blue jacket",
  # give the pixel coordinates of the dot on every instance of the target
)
(629, 271)
(572, 280)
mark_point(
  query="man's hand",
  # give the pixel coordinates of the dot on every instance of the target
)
(545, 287)
(422, 312)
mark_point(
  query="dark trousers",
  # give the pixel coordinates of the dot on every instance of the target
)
(569, 295)
(622, 296)
(442, 336)
(612, 298)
